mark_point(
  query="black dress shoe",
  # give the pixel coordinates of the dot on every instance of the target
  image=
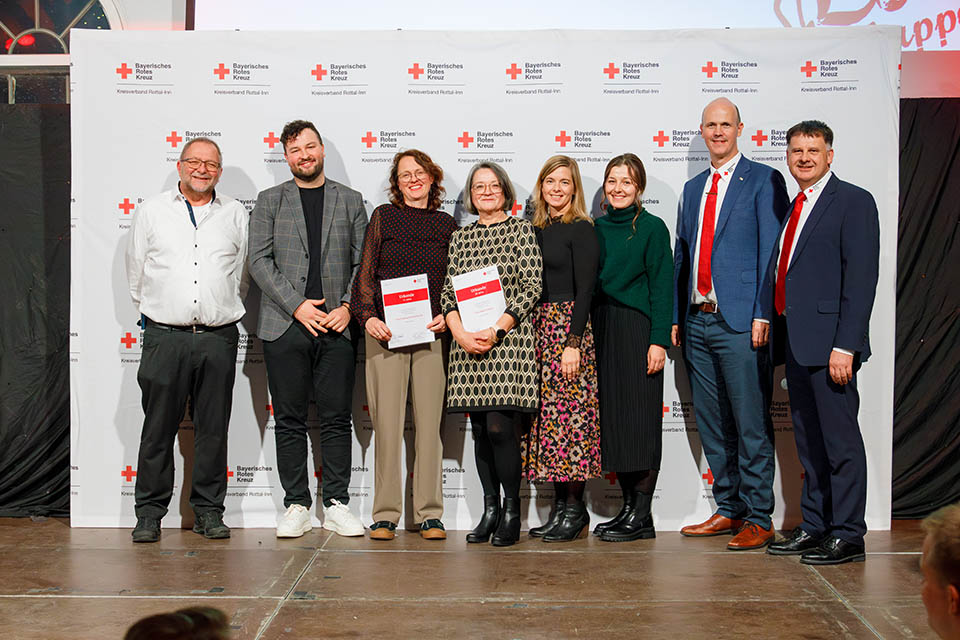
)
(798, 542)
(147, 530)
(555, 516)
(833, 550)
(574, 523)
(210, 525)
(508, 531)
(488, 521)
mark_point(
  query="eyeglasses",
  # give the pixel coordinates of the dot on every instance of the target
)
(493, 186)
(406, 176)
(194, 163)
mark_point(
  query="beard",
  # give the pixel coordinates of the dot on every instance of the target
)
(308, 176)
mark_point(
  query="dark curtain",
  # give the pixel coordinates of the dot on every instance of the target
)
(926, 396)
(35, 310)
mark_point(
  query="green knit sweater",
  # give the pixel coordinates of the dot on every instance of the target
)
(636, 267)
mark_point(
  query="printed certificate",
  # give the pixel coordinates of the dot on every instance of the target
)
(406, 310)
(479, 298)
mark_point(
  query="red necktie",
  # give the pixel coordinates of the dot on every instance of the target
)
(704, 281)
(780, 293)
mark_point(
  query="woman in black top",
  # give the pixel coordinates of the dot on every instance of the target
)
(563, 445)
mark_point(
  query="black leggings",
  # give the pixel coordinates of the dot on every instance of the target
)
(496, 444)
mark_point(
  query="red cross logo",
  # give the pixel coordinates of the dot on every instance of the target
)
(517, 208)
(808, 68)
(513, 71)
(271, 139)
(318, 474)
(709, 69)
(319, 72)
(126, 206)
(229, 473)
(666, 409)
(465, 139)
(563, 138)
(124, 70)
(221, 71)
(174, 139)
(612, 477)
(660, 138)
(708, 476)
(128, 474)
(415, 71)
(369, 139)
(759, 138)
(611, 70)
(128, 340)
(270, 409)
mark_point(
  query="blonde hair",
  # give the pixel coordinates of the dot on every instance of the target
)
(578, 207)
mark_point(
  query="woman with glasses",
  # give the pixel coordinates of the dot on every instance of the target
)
(563, 445)
(407, 237)
(493, 372)
(633, 312)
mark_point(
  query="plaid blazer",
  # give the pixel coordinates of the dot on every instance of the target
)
(279, 254)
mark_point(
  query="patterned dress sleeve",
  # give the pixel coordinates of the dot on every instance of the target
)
(448, 300)
(366, 287)
(529, 272)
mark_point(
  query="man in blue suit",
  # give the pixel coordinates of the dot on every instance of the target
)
(823, 277)
(726, 230)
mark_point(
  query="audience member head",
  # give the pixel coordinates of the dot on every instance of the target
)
(940, 564)
(192, 623)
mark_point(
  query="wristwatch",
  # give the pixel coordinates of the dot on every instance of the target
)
(500, 333)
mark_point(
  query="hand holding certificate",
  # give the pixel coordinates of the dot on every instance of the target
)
(406, 310)
(480, 298)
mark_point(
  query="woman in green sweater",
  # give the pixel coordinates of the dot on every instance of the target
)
(631, 318)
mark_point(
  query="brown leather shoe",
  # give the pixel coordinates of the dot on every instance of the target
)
(751, 536)
(715, 525)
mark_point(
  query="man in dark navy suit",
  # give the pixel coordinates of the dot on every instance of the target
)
(727, 227)
(823, 277)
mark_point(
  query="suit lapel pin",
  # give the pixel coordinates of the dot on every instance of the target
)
(741, 178)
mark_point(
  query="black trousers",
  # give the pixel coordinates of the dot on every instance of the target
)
(301, 367)
(175, 365)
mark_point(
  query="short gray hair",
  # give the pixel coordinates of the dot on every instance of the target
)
(193, 141)
(509, 195)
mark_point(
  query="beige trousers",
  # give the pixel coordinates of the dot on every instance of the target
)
(389, 373)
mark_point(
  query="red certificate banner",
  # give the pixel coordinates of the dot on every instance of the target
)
(477, 290)
(403, 297)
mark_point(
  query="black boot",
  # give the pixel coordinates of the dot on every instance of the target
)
(508, 532)
(629, 500)
(637, 524)
(575, 523)
(555, 516)
(488, 521)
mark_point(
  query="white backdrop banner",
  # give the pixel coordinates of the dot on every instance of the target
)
(512, 97)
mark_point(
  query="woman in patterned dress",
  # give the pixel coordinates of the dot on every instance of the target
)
(493, 372)
(563, 445)
(632, 316)
(407, 237)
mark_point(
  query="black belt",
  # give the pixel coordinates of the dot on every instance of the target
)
(189, 328)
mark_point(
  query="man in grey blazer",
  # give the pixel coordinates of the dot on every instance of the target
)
(305, 241)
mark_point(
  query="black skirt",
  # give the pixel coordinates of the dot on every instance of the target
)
(631, 402)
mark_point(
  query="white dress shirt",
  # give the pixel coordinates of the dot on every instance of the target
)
(813, 194)
(726, 175)
(185, 275)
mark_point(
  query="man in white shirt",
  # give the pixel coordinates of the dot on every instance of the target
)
(186, 262)
(726, 230)
(823, 276)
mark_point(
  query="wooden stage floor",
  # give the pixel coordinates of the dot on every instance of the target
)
(58, 582)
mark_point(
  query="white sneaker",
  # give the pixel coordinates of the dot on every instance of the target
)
(337, 518)
(294, 522)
